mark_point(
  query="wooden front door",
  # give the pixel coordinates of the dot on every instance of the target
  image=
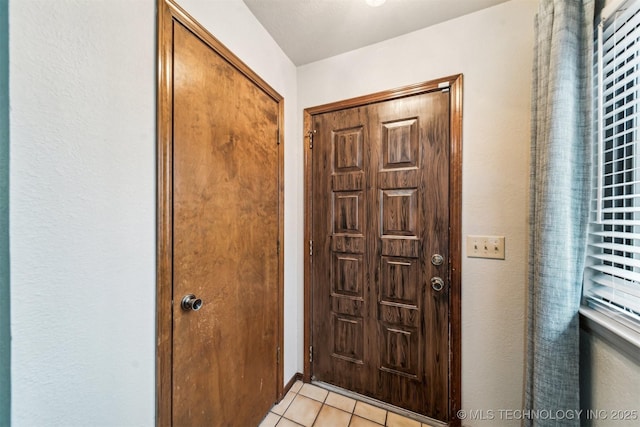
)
(220, 233)
(381, 262)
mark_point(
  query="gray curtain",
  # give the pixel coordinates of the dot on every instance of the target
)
(560, 187)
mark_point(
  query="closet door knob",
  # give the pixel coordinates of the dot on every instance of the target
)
(191, 303)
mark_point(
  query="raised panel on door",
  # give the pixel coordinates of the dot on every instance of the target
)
(380, 210)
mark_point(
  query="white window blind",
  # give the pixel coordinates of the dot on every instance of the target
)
(612, 277)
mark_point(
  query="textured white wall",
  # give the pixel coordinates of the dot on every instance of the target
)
(5, 320)
(82, 212)
(83, 203)
(609, 382)
(493, 49)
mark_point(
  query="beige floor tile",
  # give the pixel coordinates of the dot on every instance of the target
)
(313, 406)
(341, 402)
(314, 392)
(303, 410)
(370, 412)
(362, 422)
(332, 417)
(270, 420)
(395, 420)
(296, 386)
(287, 423)
(281, 407)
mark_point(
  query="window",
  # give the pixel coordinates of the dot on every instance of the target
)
(612, 276)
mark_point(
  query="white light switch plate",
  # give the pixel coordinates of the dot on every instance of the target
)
(485, 247)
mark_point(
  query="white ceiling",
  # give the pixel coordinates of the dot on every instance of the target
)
(310, 30)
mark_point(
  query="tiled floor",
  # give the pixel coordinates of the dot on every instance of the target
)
(308, 405)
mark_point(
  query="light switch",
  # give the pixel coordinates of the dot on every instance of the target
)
(485, 247)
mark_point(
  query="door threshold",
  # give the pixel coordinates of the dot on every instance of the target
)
(380, 404)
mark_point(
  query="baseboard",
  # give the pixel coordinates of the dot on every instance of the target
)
(297, 376)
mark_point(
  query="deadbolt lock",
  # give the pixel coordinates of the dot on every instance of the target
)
(437, 259)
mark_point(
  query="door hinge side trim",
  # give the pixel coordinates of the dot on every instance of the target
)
(278, 247)
(278, 355)
(278, 137)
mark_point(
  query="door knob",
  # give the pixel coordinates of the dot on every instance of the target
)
(190, 302)
(437, 283)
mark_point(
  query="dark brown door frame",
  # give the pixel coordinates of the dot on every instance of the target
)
(455, 219)
(168, 12)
